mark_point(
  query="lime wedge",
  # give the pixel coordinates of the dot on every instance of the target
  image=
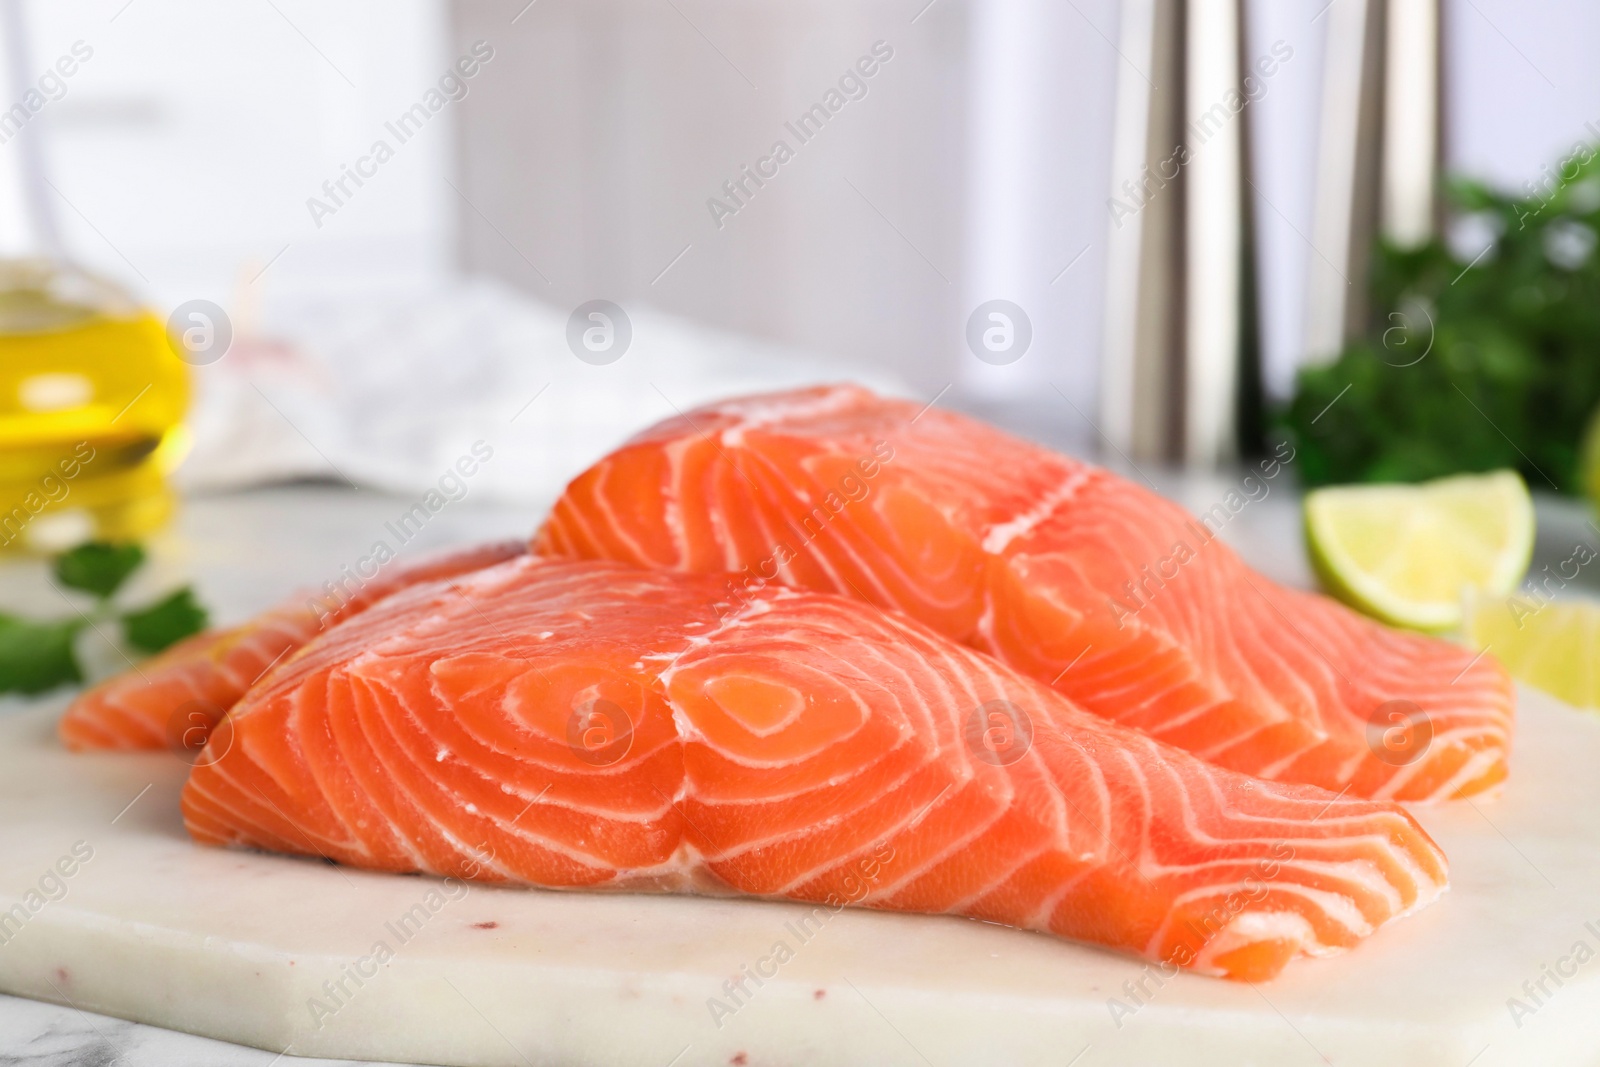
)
(1554, 645)
(1589, 460)
(1407, 554)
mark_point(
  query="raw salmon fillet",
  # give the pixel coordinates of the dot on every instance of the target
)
(1119, 598)
(174, 699)
(591, 724)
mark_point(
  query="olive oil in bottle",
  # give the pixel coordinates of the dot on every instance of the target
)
(92, 398)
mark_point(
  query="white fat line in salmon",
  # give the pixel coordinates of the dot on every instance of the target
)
(451, 487)
(849, 489)
(48, 492)
(1154, 577)
(1205, 929)
(353, 977)
(858, 883)
(1001, 535)
(49, 889)
(1537, 992)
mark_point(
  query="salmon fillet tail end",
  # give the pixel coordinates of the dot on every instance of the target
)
(176, 698)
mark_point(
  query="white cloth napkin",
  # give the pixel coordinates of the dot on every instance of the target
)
(393, 392)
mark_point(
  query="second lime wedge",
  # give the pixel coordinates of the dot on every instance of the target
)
(1554, 645)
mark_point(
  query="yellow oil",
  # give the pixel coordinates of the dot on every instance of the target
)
(92, 398)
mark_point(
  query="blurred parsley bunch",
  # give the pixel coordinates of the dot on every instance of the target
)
(1470, 367)
(38, 655)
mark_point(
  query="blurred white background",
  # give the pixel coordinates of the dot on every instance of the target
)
(579, 163)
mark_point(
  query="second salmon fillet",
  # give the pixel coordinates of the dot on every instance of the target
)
(1119, 598)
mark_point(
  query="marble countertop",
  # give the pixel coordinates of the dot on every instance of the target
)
(33, 1034)
(244, 550)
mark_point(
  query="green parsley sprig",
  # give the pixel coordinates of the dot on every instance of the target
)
(38, 655)
(1470, 364)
